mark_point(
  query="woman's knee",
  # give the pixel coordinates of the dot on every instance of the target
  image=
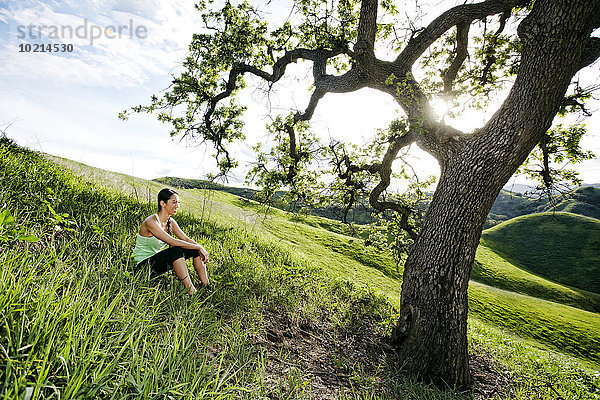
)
(191, 253)
(176, 253)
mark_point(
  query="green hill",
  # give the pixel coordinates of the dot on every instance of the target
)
(562, 247)
(76, 322)
(493, 270)
(583, 201)
(509, 205)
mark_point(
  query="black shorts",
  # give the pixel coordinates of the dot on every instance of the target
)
(162, 261)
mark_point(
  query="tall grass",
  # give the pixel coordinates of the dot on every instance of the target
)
(343, 257)
(75, 321)
(532, 370)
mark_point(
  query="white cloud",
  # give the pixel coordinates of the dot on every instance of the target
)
(147, 9)
(140, 147)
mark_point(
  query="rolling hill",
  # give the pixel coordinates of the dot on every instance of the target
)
(583, 201)
(560, 246)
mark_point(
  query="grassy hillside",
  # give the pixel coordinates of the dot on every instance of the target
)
(263, 260)
(76, 322)
(493, 270)
(347, 258)
(549, 323)
(583, 201)
(560, 246)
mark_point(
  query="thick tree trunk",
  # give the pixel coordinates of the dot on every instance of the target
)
(431, 331)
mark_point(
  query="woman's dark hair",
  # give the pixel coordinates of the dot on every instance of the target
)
(164, 195)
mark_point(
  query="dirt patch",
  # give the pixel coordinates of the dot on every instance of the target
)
(313, 351)
(488, 381)
(336, 363)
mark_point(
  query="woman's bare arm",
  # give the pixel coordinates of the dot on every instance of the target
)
(181, 235)
(156, 230)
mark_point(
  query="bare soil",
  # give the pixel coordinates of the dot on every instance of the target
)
(338, 363)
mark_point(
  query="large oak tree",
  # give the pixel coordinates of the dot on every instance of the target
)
(552, 42)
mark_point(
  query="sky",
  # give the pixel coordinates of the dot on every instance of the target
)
(66, 103)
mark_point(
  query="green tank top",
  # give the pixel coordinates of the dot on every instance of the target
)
(146, 247)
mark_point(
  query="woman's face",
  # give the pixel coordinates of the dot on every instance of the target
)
(171, 205)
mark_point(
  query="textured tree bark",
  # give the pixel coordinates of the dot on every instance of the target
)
(431, 331)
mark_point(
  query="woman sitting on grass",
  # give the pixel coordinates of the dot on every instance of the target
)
(155, 233)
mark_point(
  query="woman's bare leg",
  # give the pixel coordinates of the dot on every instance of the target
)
(200, 268)
(182, 273)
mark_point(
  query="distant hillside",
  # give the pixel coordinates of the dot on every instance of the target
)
(560, 246)
(583, 201)
(203, 184)
(509, 205)
(358, 215)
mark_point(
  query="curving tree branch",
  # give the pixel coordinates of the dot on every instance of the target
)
(489, 50)
(462, 14)
(394, 78)
(385, 172)
(462, 42)
(533, 78)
